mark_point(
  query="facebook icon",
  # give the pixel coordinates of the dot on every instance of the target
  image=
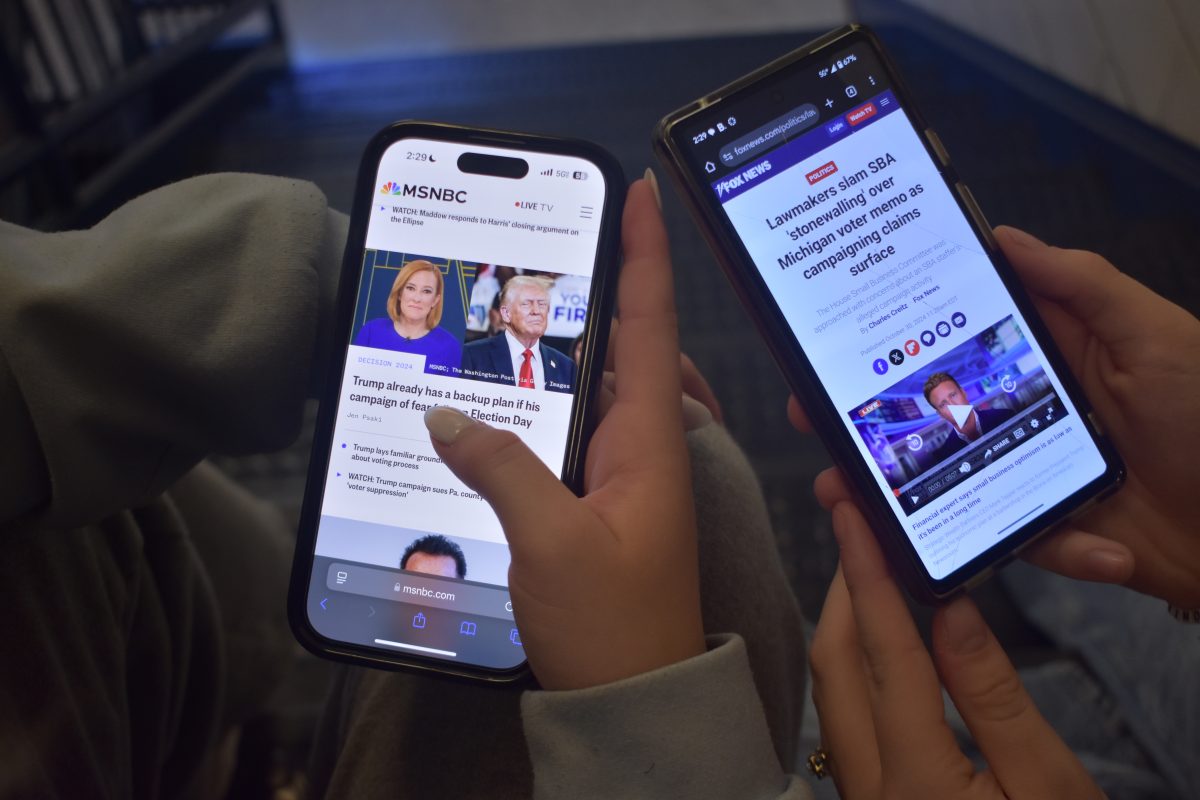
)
(880, 366)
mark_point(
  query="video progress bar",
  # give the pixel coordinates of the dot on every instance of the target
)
(417, 647)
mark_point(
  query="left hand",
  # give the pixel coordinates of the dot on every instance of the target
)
(879, 699)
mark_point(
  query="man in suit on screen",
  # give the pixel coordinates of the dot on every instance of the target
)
(517, 357)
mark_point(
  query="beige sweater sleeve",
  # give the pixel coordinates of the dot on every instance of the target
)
(694, 729)
(183, 324)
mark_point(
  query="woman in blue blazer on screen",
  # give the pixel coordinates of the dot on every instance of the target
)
(414, 309)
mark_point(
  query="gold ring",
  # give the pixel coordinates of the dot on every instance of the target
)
(818, 763)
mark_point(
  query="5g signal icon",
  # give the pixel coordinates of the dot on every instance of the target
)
(824, 72)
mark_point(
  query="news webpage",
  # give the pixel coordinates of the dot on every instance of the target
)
(911, 331)
(499, 272)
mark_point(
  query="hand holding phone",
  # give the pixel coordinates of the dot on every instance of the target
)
(871, 273)
(1137, 356)
(1119, 339)
(878, 694)
(478, 274)
(605, 586)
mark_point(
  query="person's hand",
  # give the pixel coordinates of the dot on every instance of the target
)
(879, 700)
(1137, 357)
(700, 404)
(605, 586)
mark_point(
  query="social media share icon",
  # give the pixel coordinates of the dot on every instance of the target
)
(942, 328)
(911, 347)
(419, 620)
(851, 91)
(341, 578)
(958, 319)
(515, 637)
(915, 442)
(880, 366)
(1008, 384)
(467, 628)
(964, 467)
(1033, 423)
(1018, 433)
(896, 357)
(927, 338)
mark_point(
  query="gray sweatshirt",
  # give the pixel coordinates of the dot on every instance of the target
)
(189, 322)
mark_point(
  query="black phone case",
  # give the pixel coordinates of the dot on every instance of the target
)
(797, 370)
(595, 343)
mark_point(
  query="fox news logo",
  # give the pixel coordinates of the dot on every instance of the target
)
(443, 193)
(727, 185)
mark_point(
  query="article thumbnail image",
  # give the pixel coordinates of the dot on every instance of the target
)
(941, 409)
(486, 322)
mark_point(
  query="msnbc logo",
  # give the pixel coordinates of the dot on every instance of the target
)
(390, 187)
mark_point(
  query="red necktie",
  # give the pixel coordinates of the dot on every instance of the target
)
(526, 381)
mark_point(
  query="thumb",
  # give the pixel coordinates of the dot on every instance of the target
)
(1114, 307)
(503, 470)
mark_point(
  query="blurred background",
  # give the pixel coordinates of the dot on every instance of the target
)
(1078, 120)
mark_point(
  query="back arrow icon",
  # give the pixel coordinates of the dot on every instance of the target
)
(324, 600)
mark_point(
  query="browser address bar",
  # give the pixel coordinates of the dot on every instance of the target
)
(775, 132)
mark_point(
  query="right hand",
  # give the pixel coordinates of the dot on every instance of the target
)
(604, 586)
(1137, 356)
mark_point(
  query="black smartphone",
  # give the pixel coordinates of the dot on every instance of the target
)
(478, 273)
(874, 278)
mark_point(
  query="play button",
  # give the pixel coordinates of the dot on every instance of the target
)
(960, 414)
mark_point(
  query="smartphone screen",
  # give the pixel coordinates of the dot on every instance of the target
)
(474, 292)
(822, 179)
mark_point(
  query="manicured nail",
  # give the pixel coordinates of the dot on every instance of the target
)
(1022, 239)
(446, 423)
(966, 632)
(652, 179)
(695, 414)
(1108, 566)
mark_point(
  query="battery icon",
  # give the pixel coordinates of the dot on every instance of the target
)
(579, 176)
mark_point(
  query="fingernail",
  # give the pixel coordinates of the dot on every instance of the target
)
(445, 423)
(1022, 239)
(652, 179)
(966, 632)
(1109, 566)
(695, 414)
